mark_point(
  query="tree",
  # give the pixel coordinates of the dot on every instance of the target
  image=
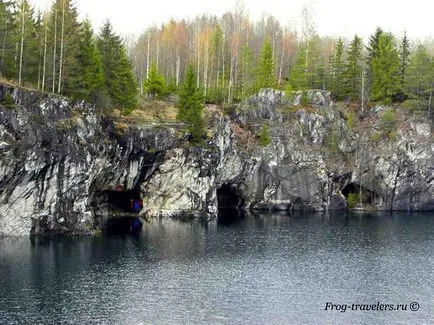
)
(298, 74)
(353, 69)
(373, 45)
(419, 82)
(404, 57)
(8, 27)
(190, 106)
(120, 82)
(246, 74)
(265, 75)
(385, 69)
(86, 81)
(155, 85)
(336, 70)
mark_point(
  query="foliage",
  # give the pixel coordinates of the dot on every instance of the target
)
(353, 69)
(336, 70)
(385, 69)
(298, 75)
(404, 58)
(155, 85)
(120, 82)
(8, 101)
(388, 121)
(264, 136)
(419, 81)
(265, 75)
(352, 200)
(86, 81)
(190, 106)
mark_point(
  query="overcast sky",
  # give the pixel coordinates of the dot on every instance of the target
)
(333, 17)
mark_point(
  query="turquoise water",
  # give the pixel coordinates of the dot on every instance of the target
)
(266, 269)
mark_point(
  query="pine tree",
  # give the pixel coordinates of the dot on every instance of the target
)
(316, 64)
(118, 73)
(298, 75)
(265, 74)
(374, 45)
(353, 69)
(155, 85)
(336, 70)
(190, 106)
(404, 57)
(385, 69)
(419, 82)
(86, 81)
(246, 77)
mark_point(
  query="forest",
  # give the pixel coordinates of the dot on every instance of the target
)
(229, 57)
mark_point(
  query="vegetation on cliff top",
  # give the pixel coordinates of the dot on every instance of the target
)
(232, 56)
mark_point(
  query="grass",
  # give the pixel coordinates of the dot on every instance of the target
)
(150, 111)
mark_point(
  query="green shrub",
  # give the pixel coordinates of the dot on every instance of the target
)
(304, 101)
(264, 136)
(352, 200)
(8, 101)
(388, 122)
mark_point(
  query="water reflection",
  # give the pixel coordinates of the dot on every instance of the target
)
(263, 268)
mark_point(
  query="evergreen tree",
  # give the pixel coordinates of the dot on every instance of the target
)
(86, 81)
(190, 106)
(265, 74)
(155, 85)
(353, 69)
(246, 73)
(373, 45)
(385, 69)
(316, 65)
(404, 57)
(118, 73)
(419, 82)
(336, 70)
(298, 75)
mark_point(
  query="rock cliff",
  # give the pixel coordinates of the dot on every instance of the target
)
(66, 170)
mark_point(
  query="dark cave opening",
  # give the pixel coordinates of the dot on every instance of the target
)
(117, 211)
(354, 191)
(230, 203)
(125, 201)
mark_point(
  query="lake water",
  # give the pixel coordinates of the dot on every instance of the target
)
(266, 269)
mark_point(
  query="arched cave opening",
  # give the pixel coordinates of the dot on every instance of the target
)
(353, 192)
(124, 201)
(117, 210)
(230, 203)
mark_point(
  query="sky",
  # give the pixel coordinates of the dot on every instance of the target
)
(333, 17)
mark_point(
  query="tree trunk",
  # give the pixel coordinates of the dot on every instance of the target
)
(45, 55)
(148, 56)
(23, 13)
(54, 51)
(178, 66)
(62, 40)
(281, 61)
(205, 72)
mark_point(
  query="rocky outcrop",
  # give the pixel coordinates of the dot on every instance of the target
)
(64, 169)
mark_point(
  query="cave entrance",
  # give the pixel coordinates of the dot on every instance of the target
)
(356, 194)
(124, 201)
(230, 203)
